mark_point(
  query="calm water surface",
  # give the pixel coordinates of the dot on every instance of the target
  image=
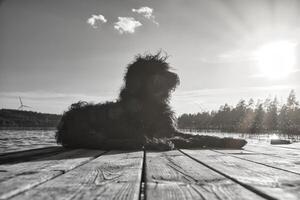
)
(16, 140)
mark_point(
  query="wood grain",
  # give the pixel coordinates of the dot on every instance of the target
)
(274, 183)
(18, 177)
(295, 145)
(276, 162)
(273, 150)
(282, 158)
(116, 175)
(172, 175)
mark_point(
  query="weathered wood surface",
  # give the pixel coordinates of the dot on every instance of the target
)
(282, 158)
(271, 160)
(172, 175)
(295, 145)
(18, 177)
(257, 172)
(116, 175)
(277, 151)
(267, 181)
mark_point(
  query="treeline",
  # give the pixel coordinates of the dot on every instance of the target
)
(17, 118)
(248, 117)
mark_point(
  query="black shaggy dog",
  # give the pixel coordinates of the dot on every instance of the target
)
(141, 117)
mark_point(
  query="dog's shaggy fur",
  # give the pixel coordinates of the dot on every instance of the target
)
(141, 117)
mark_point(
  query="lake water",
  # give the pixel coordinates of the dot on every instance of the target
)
(17, 140)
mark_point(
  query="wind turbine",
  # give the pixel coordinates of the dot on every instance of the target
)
(22, 105)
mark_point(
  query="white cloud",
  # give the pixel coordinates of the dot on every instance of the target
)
(147, 13)
(96, 18)
(126, 25)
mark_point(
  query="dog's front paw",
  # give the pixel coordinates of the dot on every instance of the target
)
(158, 144)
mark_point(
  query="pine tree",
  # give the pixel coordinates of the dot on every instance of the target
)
(271, 117)
(292, 103)
(257, 125)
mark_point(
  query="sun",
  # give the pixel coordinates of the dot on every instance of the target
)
(276, 60)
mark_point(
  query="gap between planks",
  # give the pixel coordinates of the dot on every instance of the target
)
(114, 174)
(79, 182)
(18, 178)
(173, 175)
(268, 182)
(279, 161)
(142, 192)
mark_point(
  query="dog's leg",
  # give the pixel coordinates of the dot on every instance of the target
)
(204, 141)
(159, 144)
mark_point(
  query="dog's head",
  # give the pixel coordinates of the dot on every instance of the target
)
(149, 78)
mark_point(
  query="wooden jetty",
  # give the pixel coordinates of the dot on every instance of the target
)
(256, 172)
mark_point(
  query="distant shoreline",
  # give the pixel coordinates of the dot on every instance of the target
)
(27, 120)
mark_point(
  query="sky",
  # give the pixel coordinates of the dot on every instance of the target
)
(57, 52)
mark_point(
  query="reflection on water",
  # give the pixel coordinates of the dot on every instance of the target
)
(16, 140)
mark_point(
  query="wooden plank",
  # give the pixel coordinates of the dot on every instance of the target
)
(11, 170)
(267, 149)
(238, 151)
(28, 154)
(267, 181)
(116, 175)
(18, 177)
(295, 145)
(282, 163)
(172, 175)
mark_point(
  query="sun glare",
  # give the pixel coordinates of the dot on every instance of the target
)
(276, 60)
(274, 137)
